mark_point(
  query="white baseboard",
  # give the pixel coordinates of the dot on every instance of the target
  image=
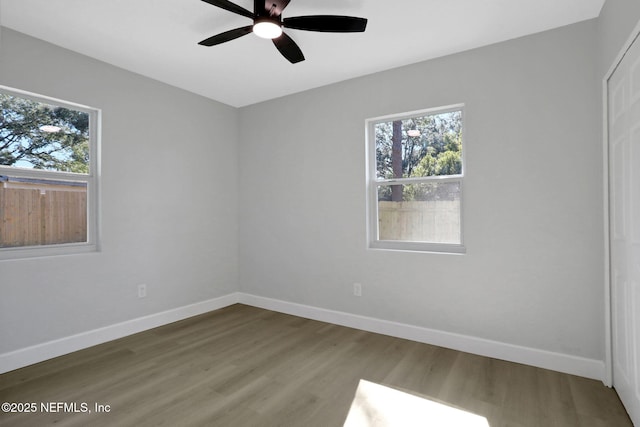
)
(589, 368)
(48, 350)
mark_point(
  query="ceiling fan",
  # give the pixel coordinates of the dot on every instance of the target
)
(268, 23)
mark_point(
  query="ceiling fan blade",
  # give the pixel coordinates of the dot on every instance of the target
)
(288, 48)
(275, 7)
(227, 36)
(326, 23)
(231, 7)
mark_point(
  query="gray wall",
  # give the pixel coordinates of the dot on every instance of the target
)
(617, 19)
(533, 271)
(169, 201)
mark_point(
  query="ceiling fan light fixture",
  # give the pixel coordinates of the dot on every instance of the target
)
(267, 29)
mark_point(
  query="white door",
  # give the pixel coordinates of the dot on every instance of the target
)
(624, 233)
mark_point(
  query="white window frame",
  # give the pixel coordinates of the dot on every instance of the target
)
(91, 179)
(373, 181)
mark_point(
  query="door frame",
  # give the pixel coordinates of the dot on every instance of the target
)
(607, 377)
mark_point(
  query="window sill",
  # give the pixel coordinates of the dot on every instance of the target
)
(29, 252)
(402, 246)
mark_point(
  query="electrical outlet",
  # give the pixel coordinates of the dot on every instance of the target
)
(142, 291)
(357, 289)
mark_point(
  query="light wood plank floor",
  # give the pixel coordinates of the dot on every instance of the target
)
(244, 366)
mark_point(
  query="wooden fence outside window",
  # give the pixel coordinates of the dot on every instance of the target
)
(35, 213)
(420, 221)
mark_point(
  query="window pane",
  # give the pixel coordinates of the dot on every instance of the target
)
(42, 212)
(424, 212)
(429, 145)
(36, 135)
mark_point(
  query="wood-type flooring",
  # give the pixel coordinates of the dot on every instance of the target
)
(245, 366)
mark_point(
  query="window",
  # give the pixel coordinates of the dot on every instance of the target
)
(48, 176)
(415, 173)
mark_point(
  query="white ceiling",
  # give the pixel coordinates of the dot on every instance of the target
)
(158, 38)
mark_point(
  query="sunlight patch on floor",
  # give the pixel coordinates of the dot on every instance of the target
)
(375, 405)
